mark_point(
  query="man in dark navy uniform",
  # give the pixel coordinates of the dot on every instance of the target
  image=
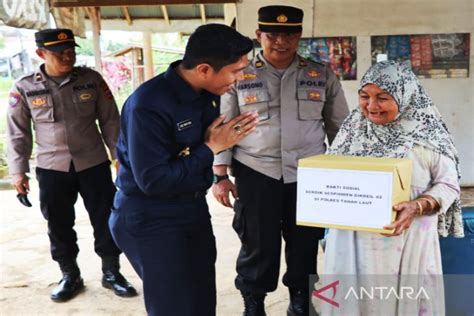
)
(170, 131)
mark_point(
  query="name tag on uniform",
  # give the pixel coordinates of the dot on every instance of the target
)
(184, 125)
(37, 92)
(84, 87)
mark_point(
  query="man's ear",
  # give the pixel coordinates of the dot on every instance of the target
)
(204, 70)
(258, 33)
(40, 53)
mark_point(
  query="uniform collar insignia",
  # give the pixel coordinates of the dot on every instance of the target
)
(302, 63)
(258, 62)
(186, 151)
(39, 77)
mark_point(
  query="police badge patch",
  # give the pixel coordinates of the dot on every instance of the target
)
(85, 96)
(313, 73)
(251, 99)
(39, 101)
(249, 76)
(14, 98)
(314, 95)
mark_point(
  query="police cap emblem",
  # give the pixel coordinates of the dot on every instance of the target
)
(282, 18)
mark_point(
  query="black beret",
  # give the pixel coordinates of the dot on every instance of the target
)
(280, 19)
(55, 40)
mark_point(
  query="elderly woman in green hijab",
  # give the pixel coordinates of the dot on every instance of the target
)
(397, 119)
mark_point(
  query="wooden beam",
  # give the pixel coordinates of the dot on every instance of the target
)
(202, 9)
(124, 3)
(165, 14)
(127, 15)
(154, 25)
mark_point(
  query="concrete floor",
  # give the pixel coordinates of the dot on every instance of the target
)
(27, 274)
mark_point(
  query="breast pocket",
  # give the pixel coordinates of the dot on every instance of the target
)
(84, 102)
(189, 136)
(254, 100)
(42, 109)
(310, 104)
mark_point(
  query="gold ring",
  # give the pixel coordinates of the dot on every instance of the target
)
(237, 128)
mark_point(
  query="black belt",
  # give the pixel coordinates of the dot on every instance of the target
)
(183, 196)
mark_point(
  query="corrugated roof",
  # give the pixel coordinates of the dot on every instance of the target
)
(178, 12)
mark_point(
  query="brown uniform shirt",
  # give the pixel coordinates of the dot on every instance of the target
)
(298, 108)
(64, 118)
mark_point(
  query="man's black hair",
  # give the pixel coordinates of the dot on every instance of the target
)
(217, 45)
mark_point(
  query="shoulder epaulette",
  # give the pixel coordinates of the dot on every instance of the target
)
(25, 76)
(258, 62)
(75, 72)
(38, 76)
(302, 62)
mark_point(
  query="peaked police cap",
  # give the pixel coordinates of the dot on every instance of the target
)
(55, 40)
(280, 19)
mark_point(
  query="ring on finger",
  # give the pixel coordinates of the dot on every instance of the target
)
(237, 128)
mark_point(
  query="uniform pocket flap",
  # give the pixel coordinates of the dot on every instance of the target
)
(41, 107)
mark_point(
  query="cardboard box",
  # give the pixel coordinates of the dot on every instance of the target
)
(354, 193)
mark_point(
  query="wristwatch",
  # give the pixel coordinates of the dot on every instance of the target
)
(217, 178)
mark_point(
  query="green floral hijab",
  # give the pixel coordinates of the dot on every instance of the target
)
(418, 122)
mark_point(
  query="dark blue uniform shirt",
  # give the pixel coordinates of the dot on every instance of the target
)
(161, 144)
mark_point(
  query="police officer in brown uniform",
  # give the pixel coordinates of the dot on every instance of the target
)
(64, 102)
(300, 103)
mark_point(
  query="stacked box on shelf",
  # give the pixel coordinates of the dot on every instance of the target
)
(415, 52)
(426, 52)
(398, 47)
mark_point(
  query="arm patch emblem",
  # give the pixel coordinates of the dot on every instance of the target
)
(14, 98)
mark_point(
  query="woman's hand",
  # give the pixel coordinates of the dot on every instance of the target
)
(406, 213)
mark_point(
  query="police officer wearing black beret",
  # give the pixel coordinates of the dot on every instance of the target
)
(300, 103)
(64, 102)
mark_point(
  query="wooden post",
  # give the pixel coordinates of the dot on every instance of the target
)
(148, 55)
(202, 9)
(94, 15)
(137, 61)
